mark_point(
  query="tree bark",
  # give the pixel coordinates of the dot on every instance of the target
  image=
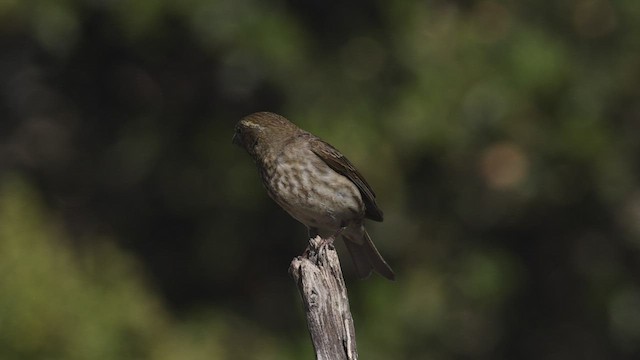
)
(318, 276)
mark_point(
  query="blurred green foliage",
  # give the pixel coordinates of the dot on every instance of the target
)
(500, 136)
(62, 302)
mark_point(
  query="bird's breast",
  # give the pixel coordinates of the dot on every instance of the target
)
(310, 191)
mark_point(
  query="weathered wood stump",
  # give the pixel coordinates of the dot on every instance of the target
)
(318, 276)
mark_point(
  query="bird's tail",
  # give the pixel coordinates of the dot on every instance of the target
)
(366, 257)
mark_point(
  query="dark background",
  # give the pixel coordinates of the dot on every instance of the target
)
(501, 138)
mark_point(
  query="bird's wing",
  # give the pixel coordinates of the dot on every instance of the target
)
(338, 162)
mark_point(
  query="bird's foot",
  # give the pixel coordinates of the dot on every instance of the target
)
(339, 232)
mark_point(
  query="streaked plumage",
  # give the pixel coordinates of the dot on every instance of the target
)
(315, 184)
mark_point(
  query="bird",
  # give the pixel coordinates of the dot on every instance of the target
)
(316, 184)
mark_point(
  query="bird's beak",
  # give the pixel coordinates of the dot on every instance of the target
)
(236, 139)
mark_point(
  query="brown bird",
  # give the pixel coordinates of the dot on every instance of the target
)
(315, 184)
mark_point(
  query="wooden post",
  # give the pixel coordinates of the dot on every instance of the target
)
(318, 276)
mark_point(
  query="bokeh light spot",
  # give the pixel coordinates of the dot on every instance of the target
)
(504, 166)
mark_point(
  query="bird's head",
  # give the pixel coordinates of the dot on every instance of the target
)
(263, 131)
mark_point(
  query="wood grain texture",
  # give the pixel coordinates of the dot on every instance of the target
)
(318, 276)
